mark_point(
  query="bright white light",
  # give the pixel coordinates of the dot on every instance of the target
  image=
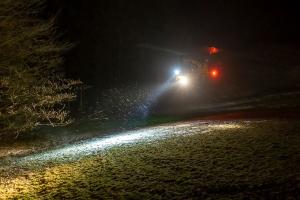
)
(183, 80)
(225, 126)
(93, 146)
(176, 71)
(151, 134)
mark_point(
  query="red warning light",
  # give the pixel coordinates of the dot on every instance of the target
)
(213, 50)
(214, 73)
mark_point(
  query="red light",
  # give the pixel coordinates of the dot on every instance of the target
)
(213, 50)
(214, 73)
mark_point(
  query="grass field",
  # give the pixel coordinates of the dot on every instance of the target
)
(283, 105)
(53, 137)
(255, 160)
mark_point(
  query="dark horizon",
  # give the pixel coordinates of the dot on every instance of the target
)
(106, 49)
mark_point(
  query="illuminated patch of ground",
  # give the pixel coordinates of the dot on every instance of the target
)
(256, 159)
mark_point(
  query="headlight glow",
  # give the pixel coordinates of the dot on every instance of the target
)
(183, 80)
(176, 72)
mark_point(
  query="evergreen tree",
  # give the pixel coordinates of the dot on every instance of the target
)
(32, 88)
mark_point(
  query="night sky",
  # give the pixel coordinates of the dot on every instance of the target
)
(107, 34)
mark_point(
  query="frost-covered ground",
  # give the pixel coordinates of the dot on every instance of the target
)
(193, 159)
(92, 126)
